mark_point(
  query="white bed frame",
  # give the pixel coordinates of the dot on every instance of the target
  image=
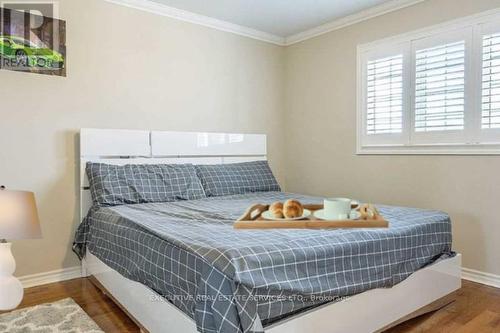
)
(375, 310)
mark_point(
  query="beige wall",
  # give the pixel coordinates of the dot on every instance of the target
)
(321, 137)
(126, 69)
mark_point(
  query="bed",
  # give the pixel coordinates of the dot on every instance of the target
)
(180, 266)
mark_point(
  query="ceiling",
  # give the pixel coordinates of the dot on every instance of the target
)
(281, 18)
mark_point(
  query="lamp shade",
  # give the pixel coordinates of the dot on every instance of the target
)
(18, 215)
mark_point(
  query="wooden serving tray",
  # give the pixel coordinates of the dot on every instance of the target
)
(252, 219)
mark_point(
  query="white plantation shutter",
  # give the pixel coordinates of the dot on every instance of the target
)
(440, 88)
(433, 91)
(384, 96)
(491, 82)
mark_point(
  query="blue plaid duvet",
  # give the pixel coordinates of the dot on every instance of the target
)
(227, 279)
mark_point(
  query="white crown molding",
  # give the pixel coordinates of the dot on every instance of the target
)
(481, 277)
(59, 275)
(345, 21)
(183, 15)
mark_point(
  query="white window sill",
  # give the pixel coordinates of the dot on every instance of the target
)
(438, 149)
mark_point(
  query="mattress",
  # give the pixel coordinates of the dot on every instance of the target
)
(226, 279)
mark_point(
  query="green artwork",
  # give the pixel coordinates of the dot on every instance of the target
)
(32, 43)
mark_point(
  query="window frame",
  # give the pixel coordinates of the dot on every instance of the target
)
(473, 140)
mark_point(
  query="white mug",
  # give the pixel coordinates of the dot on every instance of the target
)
(337, 208)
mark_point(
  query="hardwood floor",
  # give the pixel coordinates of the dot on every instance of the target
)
(98, 306)
(476, 310)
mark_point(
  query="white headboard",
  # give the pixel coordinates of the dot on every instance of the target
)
(121, 147)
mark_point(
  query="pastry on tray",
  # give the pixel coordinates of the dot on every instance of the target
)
(277, 210)
(368, 212)
(289, 210)
(292, 209)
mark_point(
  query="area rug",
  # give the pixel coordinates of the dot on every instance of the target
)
(62, 316)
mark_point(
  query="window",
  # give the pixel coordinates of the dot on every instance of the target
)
(491, 82)
(384, 105)
(5, 41)
(440, 88)
(434, 91)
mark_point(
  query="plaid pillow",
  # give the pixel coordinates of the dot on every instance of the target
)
(112, 185)
(237, 178)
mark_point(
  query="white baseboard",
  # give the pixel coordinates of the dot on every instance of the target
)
(39, 279)
(481, 277)
(64, 274)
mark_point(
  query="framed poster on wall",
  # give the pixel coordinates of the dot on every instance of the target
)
(30, 41)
